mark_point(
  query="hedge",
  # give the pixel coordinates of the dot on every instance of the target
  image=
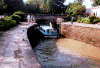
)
(7, 23)
(16, 17)
(19, 13)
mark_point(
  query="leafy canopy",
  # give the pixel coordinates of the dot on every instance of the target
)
(75, 9)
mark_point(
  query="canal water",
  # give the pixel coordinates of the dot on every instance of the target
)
(63, 52)
(67, 53)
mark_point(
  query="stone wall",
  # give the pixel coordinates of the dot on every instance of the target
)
(85, 34)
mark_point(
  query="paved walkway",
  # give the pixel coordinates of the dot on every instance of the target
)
(15, 49)
(83, 24)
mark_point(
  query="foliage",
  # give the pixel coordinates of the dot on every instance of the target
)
(45, 6)
(1, 25)
(86, 21)
(6, 23)
(79, 1)
(75, 9)
(96, 2)
(6, 18)
(20, 14)
(3, 6)
(91, 18)
(83, 20)
(14, 5)
(79, 19)
(16, 17)
(68, 18)
(96, 20)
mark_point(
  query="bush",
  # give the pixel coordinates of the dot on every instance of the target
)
(1, 25)
(6, 23)
(9, 23)
(87, 21)
(83, 20)
(68, 18)
(16, 17)
(13, 22)
(79, 19)
(6, 18)
(20, 13)
(91, 18)
(96, 20)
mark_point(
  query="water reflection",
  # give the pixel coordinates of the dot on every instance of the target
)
(52, 55)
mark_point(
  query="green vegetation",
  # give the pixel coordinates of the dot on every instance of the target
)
(19, 14)
(6, 23)
(90, 20)
(10, 21)
(16, 18)
(68, 18)
(2, 6)
(96, 2)
(14, 5)
(45, 6)
(96, 20)
(75, 9)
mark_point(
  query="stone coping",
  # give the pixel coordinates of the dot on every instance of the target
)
(83, 24)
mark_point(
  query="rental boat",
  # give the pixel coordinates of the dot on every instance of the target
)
(48, 31)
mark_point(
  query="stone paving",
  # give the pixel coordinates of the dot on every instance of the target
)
(15, 49)
(84, 25)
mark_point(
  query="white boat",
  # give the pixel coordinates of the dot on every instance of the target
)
(48, 31)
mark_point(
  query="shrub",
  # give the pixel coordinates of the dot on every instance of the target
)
(20, 13)
(1, 25)
(68, 17)
(6, 18)
(87, 21)
(16, 17)
(13, 22)
(96, 20)
(79, 19)
(6, 23)
(91, 18)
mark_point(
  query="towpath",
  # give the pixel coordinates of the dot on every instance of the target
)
(15, 49)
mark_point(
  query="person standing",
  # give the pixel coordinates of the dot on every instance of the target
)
(72, 20)
(28, 18)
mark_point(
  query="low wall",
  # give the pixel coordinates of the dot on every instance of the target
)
(85, 34)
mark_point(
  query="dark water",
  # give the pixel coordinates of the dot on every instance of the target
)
(49, 56)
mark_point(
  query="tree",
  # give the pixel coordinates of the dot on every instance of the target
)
(48, 6)
(2, 6)
(14, 5)
(75, 9)
(57, 6)
(96, 2)
(79, 1)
